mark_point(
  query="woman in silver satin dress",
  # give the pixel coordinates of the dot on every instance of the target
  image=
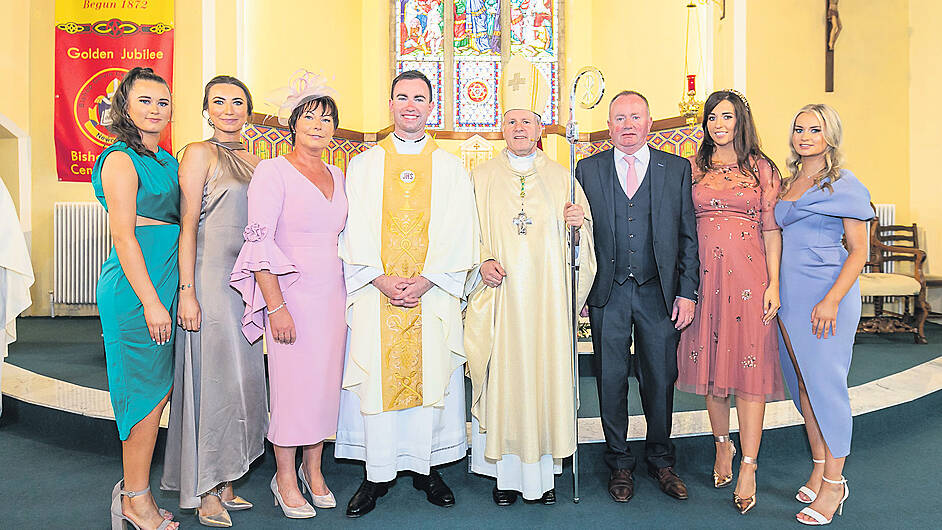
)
(219, 407)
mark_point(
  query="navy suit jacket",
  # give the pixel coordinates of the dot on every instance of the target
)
(674, 227)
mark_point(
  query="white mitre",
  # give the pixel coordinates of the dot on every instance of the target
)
(523, 86)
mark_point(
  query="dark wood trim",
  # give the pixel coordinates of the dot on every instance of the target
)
(558, 130)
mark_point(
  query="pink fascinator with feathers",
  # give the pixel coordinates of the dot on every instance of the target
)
(303, 87)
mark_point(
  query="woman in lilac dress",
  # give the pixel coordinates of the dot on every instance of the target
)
(820, 204)
(730, 348)
(291, 280)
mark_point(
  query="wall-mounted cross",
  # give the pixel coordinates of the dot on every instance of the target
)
(832, 28)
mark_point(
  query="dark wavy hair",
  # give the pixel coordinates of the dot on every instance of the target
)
(122, 126)
(745, 138)
(227, 80)
(326, 103)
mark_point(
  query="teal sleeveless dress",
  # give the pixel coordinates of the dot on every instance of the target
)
(140, 372)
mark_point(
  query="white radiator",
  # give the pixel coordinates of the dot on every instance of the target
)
(886, 213)
(82, 240)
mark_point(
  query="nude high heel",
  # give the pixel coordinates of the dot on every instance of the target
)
(747, 503)
(806, 490)
(820, 520)
(305, 511)
(320, 501)
(721, 481)
(118, 519)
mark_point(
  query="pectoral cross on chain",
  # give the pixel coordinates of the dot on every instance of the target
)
(521, 221)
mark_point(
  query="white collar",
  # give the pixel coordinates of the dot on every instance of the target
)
(642, 155)
(409, 147)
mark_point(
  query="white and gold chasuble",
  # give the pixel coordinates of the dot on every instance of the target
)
(408, 215)
(518, 336)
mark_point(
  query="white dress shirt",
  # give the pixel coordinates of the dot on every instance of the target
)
(642, 159)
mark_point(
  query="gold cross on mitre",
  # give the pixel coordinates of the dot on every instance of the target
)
(524, 86)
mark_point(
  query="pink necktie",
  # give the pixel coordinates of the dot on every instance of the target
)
(631, 177)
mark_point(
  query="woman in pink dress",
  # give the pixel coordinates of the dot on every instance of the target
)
(291, 280)
(730, 348)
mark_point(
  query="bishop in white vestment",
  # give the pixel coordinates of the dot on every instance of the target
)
(518, 327)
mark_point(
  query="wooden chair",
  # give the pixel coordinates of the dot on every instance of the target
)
(883, 277)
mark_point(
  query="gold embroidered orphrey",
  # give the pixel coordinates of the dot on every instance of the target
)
(407, 194)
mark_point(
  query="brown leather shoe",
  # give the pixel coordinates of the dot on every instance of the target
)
(621, 486)
(670, 483)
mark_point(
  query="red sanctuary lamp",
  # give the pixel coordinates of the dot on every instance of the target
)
(691, 108)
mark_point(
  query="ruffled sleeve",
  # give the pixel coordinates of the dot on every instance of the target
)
(259, 251)
(769, 184)
(848, 198)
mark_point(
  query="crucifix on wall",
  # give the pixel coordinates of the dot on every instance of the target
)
(832, 30)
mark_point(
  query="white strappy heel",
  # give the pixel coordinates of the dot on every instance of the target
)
(819, 519)
(806, 490)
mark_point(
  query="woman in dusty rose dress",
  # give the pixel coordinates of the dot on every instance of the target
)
(730, 348)
(291, 279)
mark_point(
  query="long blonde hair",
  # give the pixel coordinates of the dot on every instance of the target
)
(833, 155)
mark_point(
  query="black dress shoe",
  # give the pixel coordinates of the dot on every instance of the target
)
(669, 482)
(436, 491)
(621, 485)
(548, 498)
(364, 500)
(504, 497)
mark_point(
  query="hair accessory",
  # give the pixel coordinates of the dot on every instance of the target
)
(740, 96)
(303, 87)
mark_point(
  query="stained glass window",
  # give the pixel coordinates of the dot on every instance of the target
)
(477, 40)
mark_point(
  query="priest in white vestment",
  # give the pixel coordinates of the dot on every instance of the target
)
(410, 241)
(518, 327)
(16, 274)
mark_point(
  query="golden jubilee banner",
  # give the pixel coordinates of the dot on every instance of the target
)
(96, 44)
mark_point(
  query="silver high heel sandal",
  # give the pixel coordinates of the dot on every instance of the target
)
(305, 511)
(320, 501)
(820, 520)
(806, 490)
(118, 518)
(166, 514)
(721, 481)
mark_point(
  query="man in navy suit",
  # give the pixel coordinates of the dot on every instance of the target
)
(645, 287)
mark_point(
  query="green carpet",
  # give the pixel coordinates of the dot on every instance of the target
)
(46, 483)
(71, 349)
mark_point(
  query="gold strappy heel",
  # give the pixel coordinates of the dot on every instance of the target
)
(747, 503)
(216, 520)
(237, 503)
(721, 481)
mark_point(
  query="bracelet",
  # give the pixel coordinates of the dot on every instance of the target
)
(267, 312)
(184, 286)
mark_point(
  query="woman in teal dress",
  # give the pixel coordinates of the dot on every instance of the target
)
(136, 181)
